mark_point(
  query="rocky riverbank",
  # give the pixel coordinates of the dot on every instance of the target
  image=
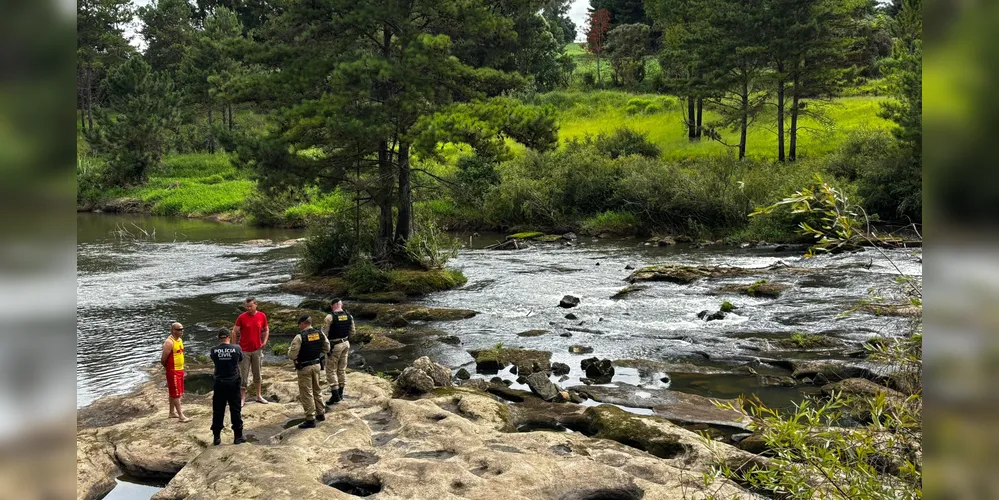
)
(451, 442)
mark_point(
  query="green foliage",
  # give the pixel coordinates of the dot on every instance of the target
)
(280, 349)
(133, 134)
(627, 46)
(625, 142)
(363, 276)
(840, 227)
(431, 248)
(611, 222)
(752, 290)
(806, 340)
(332, 243)
(167, 30)
(727, 307)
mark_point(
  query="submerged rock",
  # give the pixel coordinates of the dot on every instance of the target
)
(624, 292)
(560, 368)
(685, 275)
(532, 333)
(580, 349)
(571, 316)
(761, 288)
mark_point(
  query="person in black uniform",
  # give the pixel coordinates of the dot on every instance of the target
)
(226, 357)
(338, 327)
(307, 350)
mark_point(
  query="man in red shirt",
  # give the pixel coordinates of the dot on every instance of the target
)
(251, 332)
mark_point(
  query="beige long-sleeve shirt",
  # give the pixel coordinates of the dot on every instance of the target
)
(296, 346)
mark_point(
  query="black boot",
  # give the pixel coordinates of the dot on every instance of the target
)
(308, 424)
(339, 393)
(334, 397)
(320, 417)
(218, 439)
(239, 437)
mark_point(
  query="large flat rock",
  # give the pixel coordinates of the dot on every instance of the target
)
(672, 405)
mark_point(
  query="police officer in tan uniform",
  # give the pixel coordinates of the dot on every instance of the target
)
(307, 350)
(337, 326)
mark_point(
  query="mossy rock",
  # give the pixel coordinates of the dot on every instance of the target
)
(530, 235)
(527, 361)
(683, 275)
(419, 282)
(760, 288)
(610, 422)
(893, 310)
(532, 333)
(806, 341)
(624, 292)
(316, 285)
(315, 304)
(550, 238)
(389, 313)
(381, 343)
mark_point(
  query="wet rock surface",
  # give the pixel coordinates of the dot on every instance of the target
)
(672, 405)
(453, 442)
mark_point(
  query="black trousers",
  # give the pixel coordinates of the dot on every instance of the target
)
(226, 393)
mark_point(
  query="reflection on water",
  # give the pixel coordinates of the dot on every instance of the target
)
(130, 488)
(129, 290)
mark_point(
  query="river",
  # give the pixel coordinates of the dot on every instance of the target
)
(130, 287)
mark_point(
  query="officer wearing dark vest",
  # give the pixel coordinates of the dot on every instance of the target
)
(226, 357)
(338, 326)
(306, 350)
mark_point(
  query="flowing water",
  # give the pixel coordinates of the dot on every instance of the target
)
(130, 288)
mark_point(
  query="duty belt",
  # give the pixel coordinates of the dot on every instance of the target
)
(303, 364)
(337, 341)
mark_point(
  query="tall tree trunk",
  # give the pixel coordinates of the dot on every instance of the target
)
(403, 226)
(700, 116)
(211, 131)
(357, 209)
(386, 179)
(691, 119)
(744, 119)
(599, 80)
(780, 111)
(229, 106)
(792, 152)
(90, 99)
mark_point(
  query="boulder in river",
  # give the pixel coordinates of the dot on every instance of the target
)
(527, 361)
(598, 369)
(761, 288)
(624, 292)
(568, 301)
(560, 368)
(449, 339)
(542, 386)
(580, 349)
(423, 376)
(463, 374)
(571, 316)
(685, 275)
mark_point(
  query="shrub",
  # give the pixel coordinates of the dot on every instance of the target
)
(727, 307)
(267, 208)
(431, 248)
(280, 349)
(625, 142)
(589, 79)
(331, 243)
(363, 276)
(862, 151)
(611, 222)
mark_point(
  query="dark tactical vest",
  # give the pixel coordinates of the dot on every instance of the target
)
(312, 346)
(340, 326)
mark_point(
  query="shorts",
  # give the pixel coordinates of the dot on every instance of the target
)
(175, 383)
(250, 360)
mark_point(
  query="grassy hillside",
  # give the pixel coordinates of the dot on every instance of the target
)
(662, 118)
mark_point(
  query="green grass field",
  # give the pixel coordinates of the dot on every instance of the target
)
(662, 118)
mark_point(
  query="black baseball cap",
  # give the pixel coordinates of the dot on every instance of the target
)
(304, 318)
(334, 300)
(224, 332)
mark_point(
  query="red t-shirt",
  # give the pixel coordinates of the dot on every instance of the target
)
(250, 328)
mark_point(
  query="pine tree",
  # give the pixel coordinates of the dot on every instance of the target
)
(101, 45)
(167, 30)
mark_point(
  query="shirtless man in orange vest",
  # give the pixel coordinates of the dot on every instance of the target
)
(173, 360)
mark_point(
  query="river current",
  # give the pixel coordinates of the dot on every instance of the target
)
(136, 275)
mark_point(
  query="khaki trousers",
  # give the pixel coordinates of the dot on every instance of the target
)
(336, 364)
(310, 391)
